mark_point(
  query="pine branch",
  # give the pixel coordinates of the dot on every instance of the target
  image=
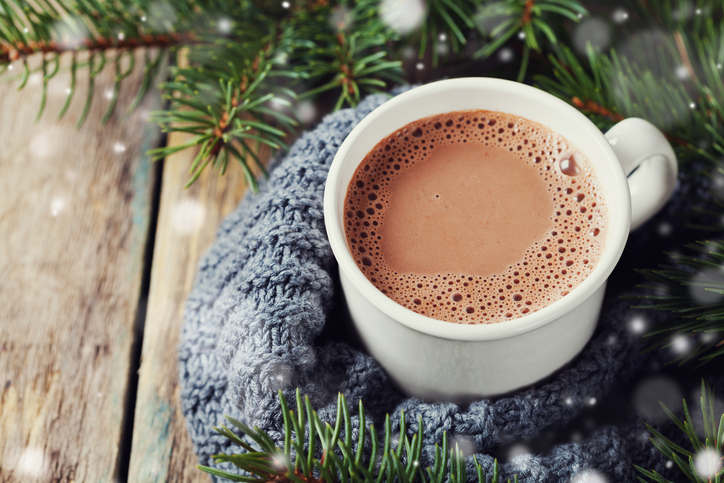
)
(236, 94)
(529, 19)
(612, 86)
(693, 289)
(704, 463)
(223, 98)
(93, 34)
(317, 452)
(446, 21)
(349, 55)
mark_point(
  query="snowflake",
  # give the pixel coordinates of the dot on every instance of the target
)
(619, 16)
(589, 476)
(32, 462)
(505, 55)
(593, 31)
(403, 16)
(463, 443)
(707, 463)
(225, 25)
(637, 324)
(188, 216)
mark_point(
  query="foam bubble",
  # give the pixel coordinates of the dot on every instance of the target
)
(553, 266)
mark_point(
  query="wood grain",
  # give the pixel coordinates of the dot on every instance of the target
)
(187, 223)
(74, 220)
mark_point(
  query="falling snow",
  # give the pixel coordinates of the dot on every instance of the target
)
(225, 26)
(664, 229)
(589, 476)
(279, 376)
(35, 79)
(701, 283)
(619, 16)
(697, 418)
(45, 143)
(161, 16)
(404, 16)
(505, 54)
(464, 443)
(188, 216)
(593, 31)
(680, 344)
(518, 450)
(709, 337)
(681, 72)
(707, 463)
(637, 324)
(306, 112)
(70, 32)
(649, 392)
(341, 18)
(57, 205)
(32, 462)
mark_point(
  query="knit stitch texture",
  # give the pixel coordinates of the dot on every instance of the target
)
(263, 316)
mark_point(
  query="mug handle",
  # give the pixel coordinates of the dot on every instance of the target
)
(640, 144)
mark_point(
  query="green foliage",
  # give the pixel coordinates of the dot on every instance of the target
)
(704, 462)
(610, 86)
(451, 18)
(693, 289)
(93, 33)
(343, 49)
(222, 97)
(503, 19)
(245, 62)
(344, 458)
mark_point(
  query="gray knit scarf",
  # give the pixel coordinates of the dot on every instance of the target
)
(263, 316)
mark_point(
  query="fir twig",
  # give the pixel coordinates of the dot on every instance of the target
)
(317, 452)
(503, 19)
(704, 462)
(103, 32)
(611, 86)
(693, 289)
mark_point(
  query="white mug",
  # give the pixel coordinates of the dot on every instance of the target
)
(433, 359)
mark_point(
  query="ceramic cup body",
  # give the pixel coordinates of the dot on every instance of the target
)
(439, 360)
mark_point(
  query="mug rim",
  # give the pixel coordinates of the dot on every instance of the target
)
(613, 248)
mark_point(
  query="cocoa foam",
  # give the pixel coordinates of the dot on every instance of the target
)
(490, 286)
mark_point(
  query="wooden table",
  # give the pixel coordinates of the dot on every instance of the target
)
(98, 251)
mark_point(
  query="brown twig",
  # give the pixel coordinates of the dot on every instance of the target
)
(18, 50)
(681, 47)
(595, 108)
(527, 12)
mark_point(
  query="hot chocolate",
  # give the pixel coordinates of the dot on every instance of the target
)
(475, 217)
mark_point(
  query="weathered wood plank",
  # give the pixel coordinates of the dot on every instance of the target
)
(187, 223)
(74, 219)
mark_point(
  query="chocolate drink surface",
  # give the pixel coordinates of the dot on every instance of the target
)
(475, 217)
